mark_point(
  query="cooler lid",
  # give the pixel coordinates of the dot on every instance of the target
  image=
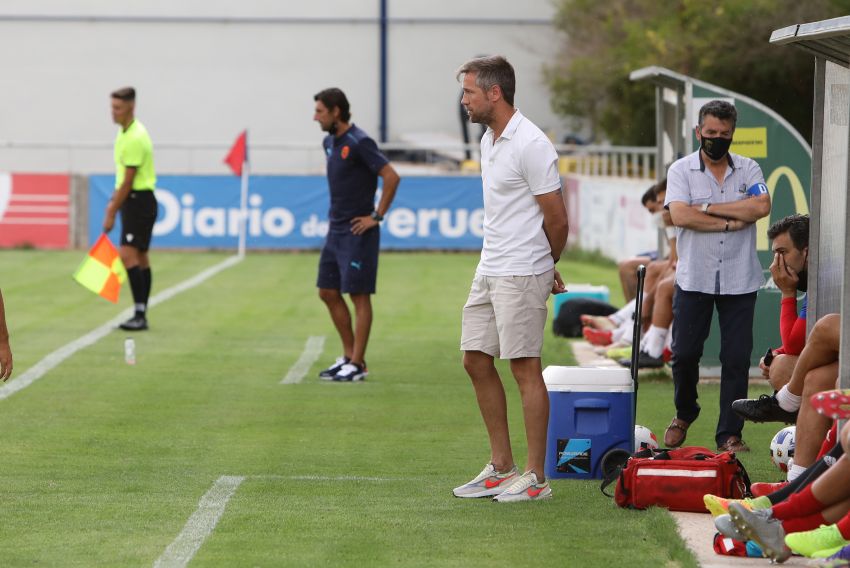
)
(574, 287)
(587, 378)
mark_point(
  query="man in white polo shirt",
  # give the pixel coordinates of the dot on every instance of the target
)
(525, 230)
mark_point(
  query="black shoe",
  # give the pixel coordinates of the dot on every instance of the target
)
(330, 372)
(135, 323)
(351, 372)
(645, 361)
(763, 409)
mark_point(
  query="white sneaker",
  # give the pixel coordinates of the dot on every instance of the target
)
(351, 372)
(328, 374)
(488, 483)
(525, 488)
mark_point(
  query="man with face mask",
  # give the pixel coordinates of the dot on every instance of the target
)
(714, 198)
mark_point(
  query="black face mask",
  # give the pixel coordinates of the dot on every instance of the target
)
(803, 280)
(715, 148)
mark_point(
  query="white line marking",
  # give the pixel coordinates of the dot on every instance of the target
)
(55, 358)
(211, 507)
(312, 350)
(201, 524)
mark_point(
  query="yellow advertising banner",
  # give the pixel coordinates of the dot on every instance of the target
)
(750, 142)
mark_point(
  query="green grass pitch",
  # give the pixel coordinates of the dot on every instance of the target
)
(103, 463)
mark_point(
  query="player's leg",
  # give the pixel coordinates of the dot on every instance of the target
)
(138, 215)
(535, 408)
(627, 270)
(520, 310)
(328, 283)
(362, 326)
(358, 267)
(480, 343)
(780, 370)
(811, 426)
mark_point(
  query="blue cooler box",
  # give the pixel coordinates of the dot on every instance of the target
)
(591, 411)
(600, 293)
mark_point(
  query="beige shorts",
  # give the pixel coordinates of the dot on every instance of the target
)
(504, 316)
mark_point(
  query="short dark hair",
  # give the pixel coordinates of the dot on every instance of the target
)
(492, 70)
(127, 94)
(719, 109)
(649, 195)
(797, 227)
(334, 98)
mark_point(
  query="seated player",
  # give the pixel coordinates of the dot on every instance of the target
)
(804, 522)
(789, 270)
(628, 268)
(816, 370)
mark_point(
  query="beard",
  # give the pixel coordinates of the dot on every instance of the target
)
(481, 117)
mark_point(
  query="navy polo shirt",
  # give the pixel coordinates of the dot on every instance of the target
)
(353, 165)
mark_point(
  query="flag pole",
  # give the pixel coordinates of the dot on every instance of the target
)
(243, 207)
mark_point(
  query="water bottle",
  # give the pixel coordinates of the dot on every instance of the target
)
(130, 351)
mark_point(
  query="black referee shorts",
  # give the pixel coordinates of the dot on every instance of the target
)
(138, 215)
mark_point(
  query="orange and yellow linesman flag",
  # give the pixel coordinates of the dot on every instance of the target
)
(102, 271)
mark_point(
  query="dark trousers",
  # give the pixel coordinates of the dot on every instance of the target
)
(692, 313)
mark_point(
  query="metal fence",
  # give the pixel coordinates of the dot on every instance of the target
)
(308, 158)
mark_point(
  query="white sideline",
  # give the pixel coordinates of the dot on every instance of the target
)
(55, 358)
(312, 350)
(211, 507)
(201, 524)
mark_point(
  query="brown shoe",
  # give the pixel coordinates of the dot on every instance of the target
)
(733, 444)
(676, 433)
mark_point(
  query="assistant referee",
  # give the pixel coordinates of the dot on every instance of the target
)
(135, 180)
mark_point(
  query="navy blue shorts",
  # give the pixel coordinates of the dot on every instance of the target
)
(349, 262)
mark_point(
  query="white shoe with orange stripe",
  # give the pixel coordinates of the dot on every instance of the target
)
(488, 483)
(525, 488)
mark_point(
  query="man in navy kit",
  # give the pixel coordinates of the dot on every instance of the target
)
(349, 260)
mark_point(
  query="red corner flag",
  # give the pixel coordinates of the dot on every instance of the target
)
(238, 154)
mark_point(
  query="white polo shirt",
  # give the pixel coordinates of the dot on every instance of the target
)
(522, 163)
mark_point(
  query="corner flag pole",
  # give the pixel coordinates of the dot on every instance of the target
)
(243, 209)
(237, 160)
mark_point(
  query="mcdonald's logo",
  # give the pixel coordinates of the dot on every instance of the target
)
(801, 203)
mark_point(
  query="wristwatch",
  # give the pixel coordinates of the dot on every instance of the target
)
(377, 216)
(705, 207)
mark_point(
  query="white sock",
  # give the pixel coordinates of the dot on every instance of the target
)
(624, 314)
(668, 341)
(623, 333)
(654, 341)
(794, 471)
(787, 400)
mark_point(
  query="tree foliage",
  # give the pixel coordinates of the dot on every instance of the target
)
(724, 42)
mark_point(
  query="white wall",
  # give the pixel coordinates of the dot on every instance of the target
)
(204, 70)
(606, 215)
